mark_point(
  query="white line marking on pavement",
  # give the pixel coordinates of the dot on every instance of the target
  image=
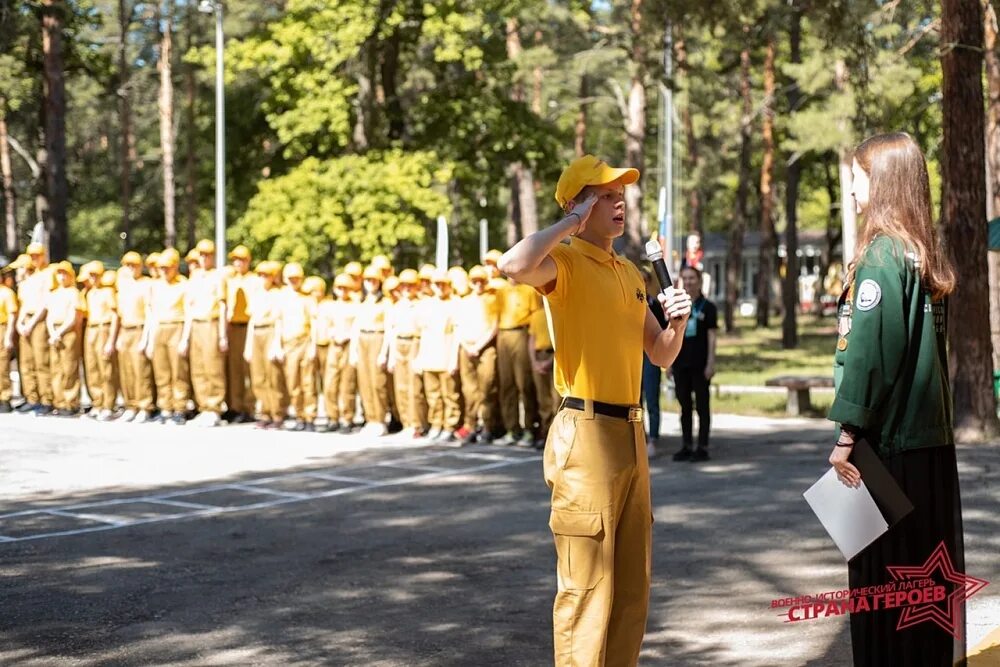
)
(283, 497)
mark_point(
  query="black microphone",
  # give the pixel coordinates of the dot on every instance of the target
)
(655, 255)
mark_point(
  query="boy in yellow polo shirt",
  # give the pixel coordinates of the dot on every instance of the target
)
(517, 303)
(595, 458)
(134, 370)
(64, 306)
(162, 334)
(8, 316)
(476, 330)
(99, 340)
(240, 287)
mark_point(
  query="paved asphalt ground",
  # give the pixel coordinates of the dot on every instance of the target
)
(155, 545)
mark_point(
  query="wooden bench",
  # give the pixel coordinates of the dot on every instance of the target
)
(798, 387)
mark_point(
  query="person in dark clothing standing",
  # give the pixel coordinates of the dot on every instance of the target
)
(694, 367)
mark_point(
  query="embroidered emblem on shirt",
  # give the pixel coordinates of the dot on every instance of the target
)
(639, 296)
(869, 295)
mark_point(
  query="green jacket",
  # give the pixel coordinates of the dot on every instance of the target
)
(891, 367)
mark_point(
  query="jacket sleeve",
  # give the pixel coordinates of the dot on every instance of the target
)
(876, 343)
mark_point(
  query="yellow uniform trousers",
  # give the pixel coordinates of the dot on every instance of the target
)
(5, 386)
(208, 366)
(340, 384)
(479, 387)
(239, 389)
(135, 373)
(268, 377)
(372, 380)
(443, 408)
(514, 369)
(404, 377)
(545, 389)
(101, 371)
(418, 403)
(170, 369)
(64, 362)
(33, 365)
(601, 520)
(300, 378)
(322, 354)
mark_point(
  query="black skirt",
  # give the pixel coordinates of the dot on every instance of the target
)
(929, 477)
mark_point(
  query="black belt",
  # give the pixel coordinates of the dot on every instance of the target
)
(372, 331)
(631, 413)
(523, 326)
(407, 337)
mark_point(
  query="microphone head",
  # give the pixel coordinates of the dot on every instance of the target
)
(653, 250)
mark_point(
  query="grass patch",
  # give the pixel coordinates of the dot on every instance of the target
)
(754, 405)
(750, 356)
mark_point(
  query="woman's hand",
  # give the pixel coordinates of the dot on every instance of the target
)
(846, 471)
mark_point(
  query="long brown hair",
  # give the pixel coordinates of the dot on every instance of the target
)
(899, 206)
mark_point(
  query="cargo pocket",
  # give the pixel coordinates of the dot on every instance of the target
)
(579, 537)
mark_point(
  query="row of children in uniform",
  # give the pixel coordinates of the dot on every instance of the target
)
(451, 355)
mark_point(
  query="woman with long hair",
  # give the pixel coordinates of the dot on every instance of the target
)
(891, 374)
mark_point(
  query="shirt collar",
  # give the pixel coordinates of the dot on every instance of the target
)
(592, 251)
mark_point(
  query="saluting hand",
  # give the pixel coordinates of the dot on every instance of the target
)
(583, 211)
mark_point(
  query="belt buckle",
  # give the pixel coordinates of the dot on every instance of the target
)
(635, 414)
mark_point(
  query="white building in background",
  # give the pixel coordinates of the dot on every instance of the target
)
(811, 246)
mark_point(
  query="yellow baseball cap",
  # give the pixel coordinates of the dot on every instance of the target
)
(354, 269)
(314, 284)
(590, 170)
(194, 255)
(169, 257)
(153, 259)
(496, 284)
(477, 273)
(426, 272)
(22, 261)
(343, 280)
(131, 258)
(268, 267)
(440, 276)
(109, 279)
(35, 249)
(381, 262)
(66, 267)
(492, 257)
(240, 252)
(408, 277)
(293, 270)
(205, 247)
(391, 283)
(372, 273)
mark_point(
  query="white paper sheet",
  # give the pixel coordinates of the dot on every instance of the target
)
(849, 514)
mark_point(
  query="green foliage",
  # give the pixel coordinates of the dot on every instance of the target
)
(326, 213)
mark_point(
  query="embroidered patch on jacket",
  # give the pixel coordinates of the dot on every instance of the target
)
(869, 295)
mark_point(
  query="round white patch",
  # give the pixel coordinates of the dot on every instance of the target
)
(869, 295)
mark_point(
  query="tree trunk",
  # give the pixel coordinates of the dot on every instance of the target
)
(11, 240)
(848, 212)
(167, 127)
(190, 160)
(963, 215)
(790, 283)
(693, 158)
(834, 230)
(993, 168)
(580, 143)
(635, 134)
(125, 120)
(768, 242)
(523, 206)
(734, 252)
(55, 128)
(389, 70)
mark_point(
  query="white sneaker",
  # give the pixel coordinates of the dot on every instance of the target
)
(127, 416)
(434, 433)
(92, 414)
(105, 415)
(140, 417)
(206, 419)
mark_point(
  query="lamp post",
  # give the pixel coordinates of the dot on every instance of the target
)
(215, 7)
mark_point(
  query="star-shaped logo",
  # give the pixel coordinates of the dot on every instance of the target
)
(965, 587)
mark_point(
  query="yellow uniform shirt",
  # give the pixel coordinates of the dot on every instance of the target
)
(239, 290)
(598, 307)
(265, 306)
(62, 305)
(326, 312)
(517, 303)
(476, 316)
(296, 311)
(371, 314)
(344, 313)
(166, 301)
(539, 329)
(101, 305)
(437, 329)
(33, 291)
(133, 299)
(404, 318)
(206, 290)
(8, 305)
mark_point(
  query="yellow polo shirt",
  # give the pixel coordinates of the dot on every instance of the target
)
(598, 307)
(404, 318)
(326, 311)
(343, 316)
(8, 305)
(371, 314)
(539, 329)
(101, 305)
(240, 288)
(437, 328)
(517, 303)
(296, 313)
(167, 300)
(133, 298)
(205, 292)
(33, 291)
(265, 306)
(62, 305)
(476, 315)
